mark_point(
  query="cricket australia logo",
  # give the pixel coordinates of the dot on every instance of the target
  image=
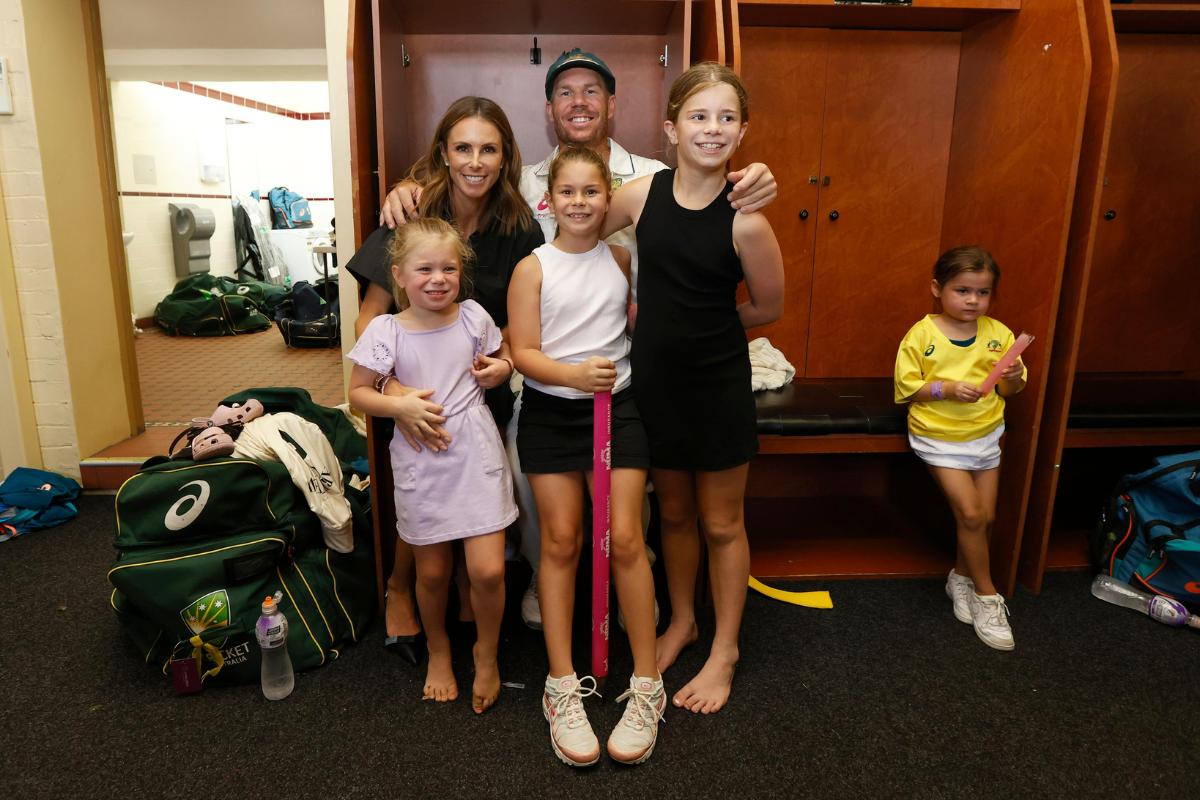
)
(187, 508)
(210, 611)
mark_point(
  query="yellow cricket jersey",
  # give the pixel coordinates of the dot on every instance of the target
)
(926, 355)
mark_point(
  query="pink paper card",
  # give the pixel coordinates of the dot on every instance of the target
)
(1006, 361)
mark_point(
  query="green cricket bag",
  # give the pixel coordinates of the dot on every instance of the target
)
(165, 596)
(206, 305)
(200, 544)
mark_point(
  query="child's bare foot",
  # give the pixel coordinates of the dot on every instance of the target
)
(486, 689)
(708, 692)
(401, 614)
(668, 646)
(439, 679)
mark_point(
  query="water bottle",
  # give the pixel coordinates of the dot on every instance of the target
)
(278, 679)
(1163, 609)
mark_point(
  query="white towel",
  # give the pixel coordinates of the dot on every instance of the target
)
(768, 367)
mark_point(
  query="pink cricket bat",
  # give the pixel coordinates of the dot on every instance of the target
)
(601, 527)
(1006, 361)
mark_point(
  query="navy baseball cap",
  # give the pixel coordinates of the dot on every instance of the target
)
(570, 59)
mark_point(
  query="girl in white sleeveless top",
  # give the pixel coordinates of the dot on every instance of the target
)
(568, 327)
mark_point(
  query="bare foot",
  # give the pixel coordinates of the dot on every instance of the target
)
(401, 615)
(668, 646)
(486, 689)
(708, 692)
(439, 680)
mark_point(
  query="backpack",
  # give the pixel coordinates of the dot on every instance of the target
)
(31, 499)
(200, 544)
(288, 209)
(1149, 530)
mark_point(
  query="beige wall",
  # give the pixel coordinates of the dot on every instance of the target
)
(32, 318)
(337, 20)
(92, 304)
(18, 433)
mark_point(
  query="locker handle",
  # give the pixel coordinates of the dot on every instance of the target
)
(833, 215)
(804, 213)
(1110, 214)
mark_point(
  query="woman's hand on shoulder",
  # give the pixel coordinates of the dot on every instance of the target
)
(401, 204)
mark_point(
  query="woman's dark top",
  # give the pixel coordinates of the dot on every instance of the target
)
(691, 364)
(496, 257)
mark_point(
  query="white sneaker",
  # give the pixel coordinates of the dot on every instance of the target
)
(531, 608)
(632, 741)
(959, 588)
(571, 734)
(989, 614)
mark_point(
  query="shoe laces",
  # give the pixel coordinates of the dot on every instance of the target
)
(641, 711)
(998, 612)
(568, 705)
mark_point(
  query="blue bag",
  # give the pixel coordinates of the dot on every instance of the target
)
(33, 498)
(1149, 532)
(288, 209)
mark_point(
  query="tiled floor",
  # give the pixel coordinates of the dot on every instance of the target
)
(184, 376)
(187, 376)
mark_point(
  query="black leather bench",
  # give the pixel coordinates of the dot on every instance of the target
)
(1133, 411)
(831, 406)
(1134, 402)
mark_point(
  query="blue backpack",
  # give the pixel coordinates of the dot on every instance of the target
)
(1149, 531)
(288, 209)
(33, 498)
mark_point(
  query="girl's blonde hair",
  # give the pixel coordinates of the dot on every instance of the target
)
(431, 171)
(584, 156)
(701, 76)
(416, 232)
(971, 258)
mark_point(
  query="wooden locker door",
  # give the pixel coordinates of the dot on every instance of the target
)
(889, 110)
(1144, 296)
(784, 71)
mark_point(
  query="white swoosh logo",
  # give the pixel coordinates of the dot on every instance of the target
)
(194, 503)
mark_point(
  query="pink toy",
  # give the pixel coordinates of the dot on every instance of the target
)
(1006, 361)
(235, 413)
(601, 527)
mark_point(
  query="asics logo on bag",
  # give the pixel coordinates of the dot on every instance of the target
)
(187, 508)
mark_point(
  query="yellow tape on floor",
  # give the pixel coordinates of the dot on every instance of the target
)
(807, 599)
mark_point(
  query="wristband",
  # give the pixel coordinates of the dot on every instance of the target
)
(935, 390)
(383, 383)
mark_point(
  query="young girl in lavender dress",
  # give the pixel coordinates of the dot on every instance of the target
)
(463, 492)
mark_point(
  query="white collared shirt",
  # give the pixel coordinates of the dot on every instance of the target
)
(624, 167)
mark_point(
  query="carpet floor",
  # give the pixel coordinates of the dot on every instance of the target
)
(886, 695)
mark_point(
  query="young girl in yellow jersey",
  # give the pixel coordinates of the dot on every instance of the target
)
(956, 429)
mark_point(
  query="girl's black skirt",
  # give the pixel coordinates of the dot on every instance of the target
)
(554, 434)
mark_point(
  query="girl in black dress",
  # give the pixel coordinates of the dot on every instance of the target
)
(691, 368)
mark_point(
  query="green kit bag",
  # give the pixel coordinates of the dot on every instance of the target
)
(200, 544)
(207, 305)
